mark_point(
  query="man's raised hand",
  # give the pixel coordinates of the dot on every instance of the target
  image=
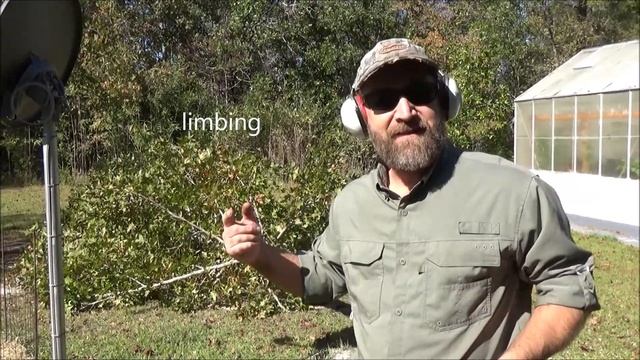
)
(243, 240)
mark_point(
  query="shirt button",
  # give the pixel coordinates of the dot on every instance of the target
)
(403, 212)
(398, 312)
(403, 261)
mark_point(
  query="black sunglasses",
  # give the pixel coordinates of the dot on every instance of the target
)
(418, 93)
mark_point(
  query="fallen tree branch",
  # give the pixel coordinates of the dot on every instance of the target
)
(194, 273)
(282, 232)
(201, 270)
(178, 217)
(278, 301)
(256, 210)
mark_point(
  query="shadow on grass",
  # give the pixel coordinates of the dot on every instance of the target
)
(20, 221)
(285, 340)
(338, 339)
(336, 345)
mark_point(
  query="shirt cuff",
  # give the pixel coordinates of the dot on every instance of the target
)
(321, 283)
(573, 290)
(311, 286)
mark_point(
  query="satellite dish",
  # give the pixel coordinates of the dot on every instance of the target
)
(42, 29)
(39, 44)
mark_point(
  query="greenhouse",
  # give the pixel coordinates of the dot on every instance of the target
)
(578, 129)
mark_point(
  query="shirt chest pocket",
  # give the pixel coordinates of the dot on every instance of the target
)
(363, 268)
(456, 279)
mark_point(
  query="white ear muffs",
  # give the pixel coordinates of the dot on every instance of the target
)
(454, 94)
(352, 118)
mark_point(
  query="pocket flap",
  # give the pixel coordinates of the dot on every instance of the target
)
(361, 252)
(464, 253)
(478, 228)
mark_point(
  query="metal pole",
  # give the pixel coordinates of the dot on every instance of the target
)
(35, 294)
(3, 287)
(54, 239)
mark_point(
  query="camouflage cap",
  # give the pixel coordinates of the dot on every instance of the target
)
(387, 52)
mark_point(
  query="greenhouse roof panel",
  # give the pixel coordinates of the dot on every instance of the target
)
(606, 68)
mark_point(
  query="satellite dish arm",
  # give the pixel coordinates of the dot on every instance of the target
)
(39, 82)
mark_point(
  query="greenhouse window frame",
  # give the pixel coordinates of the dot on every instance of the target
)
(574, 134)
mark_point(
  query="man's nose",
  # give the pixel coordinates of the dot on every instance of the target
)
(404, 110)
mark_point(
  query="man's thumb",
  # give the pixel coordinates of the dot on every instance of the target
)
(228, 218)
(248, 214)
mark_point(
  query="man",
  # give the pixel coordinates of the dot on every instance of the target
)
(438, 249)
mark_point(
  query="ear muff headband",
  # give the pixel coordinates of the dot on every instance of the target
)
(362, 112)
(353, 114)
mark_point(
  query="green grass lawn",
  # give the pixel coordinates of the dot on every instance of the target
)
(612, 332)
(21, 207)
(152, 331)
(157, 332)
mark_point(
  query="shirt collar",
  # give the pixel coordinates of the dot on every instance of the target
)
(382, 183)
(383, 176)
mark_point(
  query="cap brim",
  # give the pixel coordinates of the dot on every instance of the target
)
(386, 63)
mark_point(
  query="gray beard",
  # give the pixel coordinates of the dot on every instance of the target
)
(414, 154)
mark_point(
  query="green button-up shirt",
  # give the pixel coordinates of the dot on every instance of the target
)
(447, 270)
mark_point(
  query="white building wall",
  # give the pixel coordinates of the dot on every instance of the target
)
(605, 198)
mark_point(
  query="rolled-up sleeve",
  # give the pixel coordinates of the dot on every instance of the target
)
(547, 256)
(323, 277)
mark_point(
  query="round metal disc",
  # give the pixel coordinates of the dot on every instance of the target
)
(51, 30)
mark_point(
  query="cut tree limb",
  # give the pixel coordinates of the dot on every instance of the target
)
(201, 270)
(111, 296)
(178, 217)
(278, 300)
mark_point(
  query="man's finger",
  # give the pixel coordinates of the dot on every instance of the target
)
(240, 238)
(228, 218)
(248, 214)
(241, 248)
(250, 228)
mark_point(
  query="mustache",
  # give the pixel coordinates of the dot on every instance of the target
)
(406, 128)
